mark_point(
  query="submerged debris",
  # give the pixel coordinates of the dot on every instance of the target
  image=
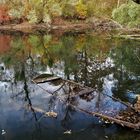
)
(49, 113)
(88, 97)
(73, 89)
(129, 116)
(137, 104)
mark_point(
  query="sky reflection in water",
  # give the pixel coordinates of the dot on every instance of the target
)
(110, 66)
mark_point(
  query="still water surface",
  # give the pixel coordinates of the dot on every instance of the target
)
(110, 66)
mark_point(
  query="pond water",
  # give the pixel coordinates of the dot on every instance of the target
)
(109, 65)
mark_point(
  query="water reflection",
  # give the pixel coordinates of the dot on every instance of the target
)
(110, 66)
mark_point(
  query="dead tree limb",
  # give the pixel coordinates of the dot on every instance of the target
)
(117, 121)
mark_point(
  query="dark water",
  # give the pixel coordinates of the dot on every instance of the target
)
(110, 66)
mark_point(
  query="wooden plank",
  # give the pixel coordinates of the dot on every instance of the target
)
(45, 78)
(82, 92)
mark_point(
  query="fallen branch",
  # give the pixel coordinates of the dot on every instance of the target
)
(117, 121)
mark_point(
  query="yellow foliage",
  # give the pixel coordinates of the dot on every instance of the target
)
(81, 10)
(27, 7)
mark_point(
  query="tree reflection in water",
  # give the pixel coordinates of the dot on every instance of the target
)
(93, 61)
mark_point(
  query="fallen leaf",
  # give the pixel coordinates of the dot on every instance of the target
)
(67, 132)
(51, 114)
(106, 137)
(3, 132)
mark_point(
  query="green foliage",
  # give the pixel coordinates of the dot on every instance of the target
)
(32, 17)
(128, 15)
(78, 10)
(56, 10)
(38, 11)
(43, 11)
(90, 8)
(68, 11)
(100, 8)
(16, 13)
(16, 9)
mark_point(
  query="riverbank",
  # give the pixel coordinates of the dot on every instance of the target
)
(60, 26)
(63, 24)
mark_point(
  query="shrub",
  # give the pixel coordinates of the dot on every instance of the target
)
(78, 10)
(4, 16)
(32, 17)
(90, 9)
(16, 13)
(128, 15)
(68, 11)
(56, 10)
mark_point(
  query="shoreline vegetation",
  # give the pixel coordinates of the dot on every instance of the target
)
(115, 17)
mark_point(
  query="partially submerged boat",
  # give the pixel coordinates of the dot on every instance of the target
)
(89, 101)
